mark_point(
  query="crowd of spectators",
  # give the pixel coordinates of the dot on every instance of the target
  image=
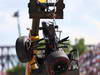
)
(90, 61)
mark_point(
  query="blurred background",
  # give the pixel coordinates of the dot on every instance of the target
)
(81, 23)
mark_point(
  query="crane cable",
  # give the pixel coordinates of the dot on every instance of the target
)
(54, 15)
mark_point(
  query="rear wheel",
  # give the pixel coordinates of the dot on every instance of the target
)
(22, 51)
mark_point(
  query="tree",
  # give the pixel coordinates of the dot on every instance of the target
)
(80, 45)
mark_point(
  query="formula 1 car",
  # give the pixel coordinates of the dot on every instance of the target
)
(46, 56)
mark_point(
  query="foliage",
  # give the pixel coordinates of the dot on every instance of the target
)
(18, 70)
(80, 45)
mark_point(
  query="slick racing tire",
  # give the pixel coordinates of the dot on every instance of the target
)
(24, 55)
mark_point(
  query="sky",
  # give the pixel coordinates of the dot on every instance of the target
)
(81, 20)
